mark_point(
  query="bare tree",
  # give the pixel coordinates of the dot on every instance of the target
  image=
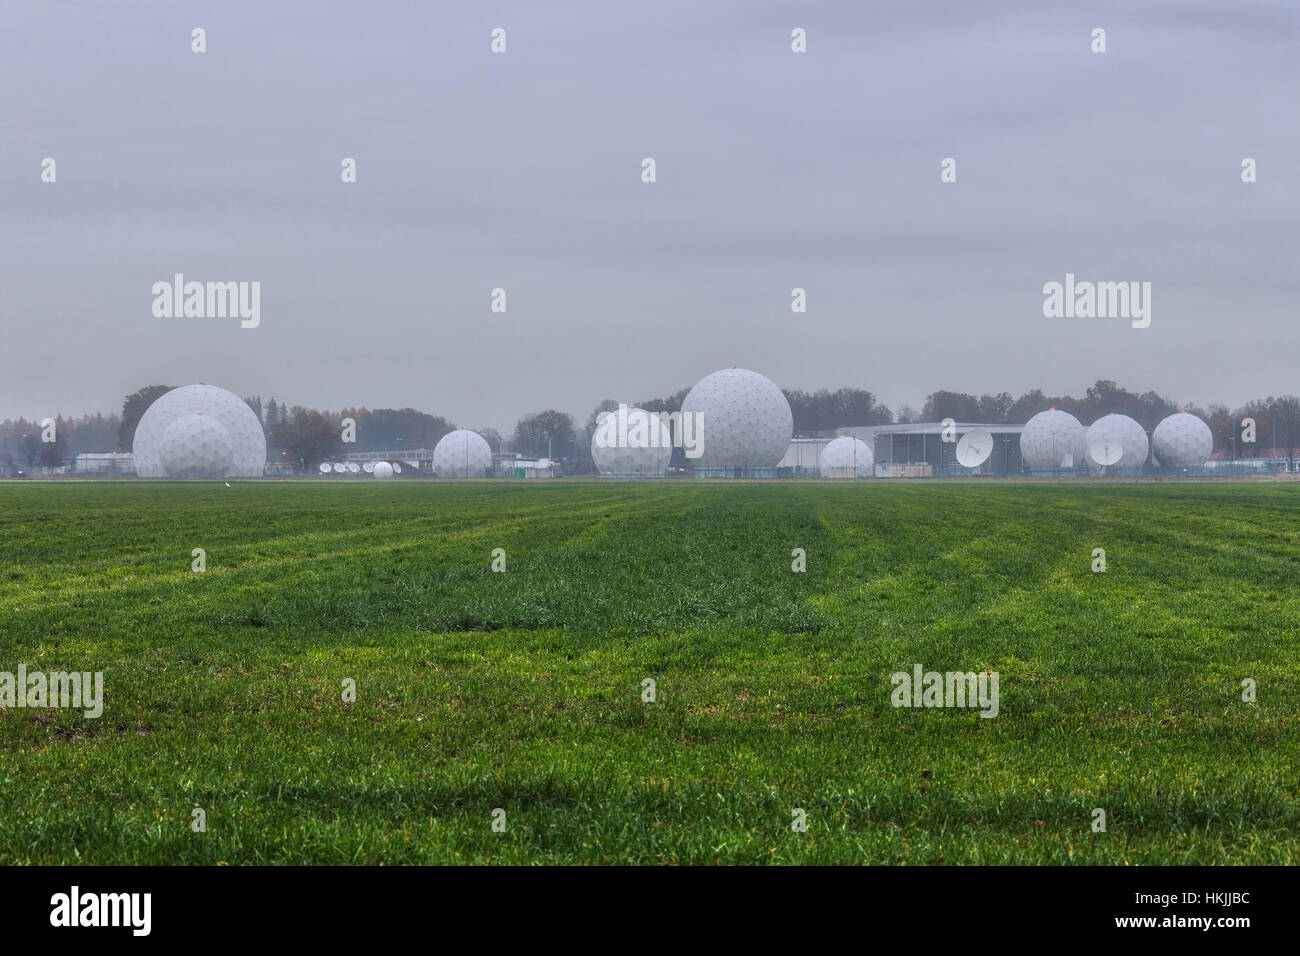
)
(309, 436)
(30, 448)
(1286, 427)
(133, 407)
(52, 452)
(493, 438)
(549, 432)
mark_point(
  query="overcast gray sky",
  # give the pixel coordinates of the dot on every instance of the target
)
(522, 170)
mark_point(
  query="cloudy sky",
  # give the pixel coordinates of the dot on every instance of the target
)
(522, 171)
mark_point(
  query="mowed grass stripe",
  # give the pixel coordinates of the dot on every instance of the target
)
(523, 690)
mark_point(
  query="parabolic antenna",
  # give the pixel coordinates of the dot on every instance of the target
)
(354, 468)
(325, 468)
(974, 448)
(368, 467)
(339, 468)
(397, 468)
(1105, 451)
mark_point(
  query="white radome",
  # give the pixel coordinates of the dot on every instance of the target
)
(382, 470)
(462, 454)
(743, 420)
(846, 452)
(195, 446)
(631, 442)
(1125, 432)
(1053, 439)
(1182, 441)
(247, 440)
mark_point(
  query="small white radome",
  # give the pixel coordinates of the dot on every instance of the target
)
(631, 442)
(462, 454)
(1182, 441)
(195, 446)
(1053, 440)
(743, 418)
(844, 456)
(1122, 431)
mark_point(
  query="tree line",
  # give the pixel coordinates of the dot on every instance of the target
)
(304, 437)
(1276, 419)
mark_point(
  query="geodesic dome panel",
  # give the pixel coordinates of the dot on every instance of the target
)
(1125, 432)
(846, 452)
(461, 454)
(247, 440)
(743, 420)
(1182, 441)
(631, 441)
(195, 446)
(382, 469)
(1052, 440)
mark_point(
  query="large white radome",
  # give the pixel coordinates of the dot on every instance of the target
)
(247, 441)
(382, 469)
(631, 442)
(846, 452)
(1125, 432)
(195, 446)
(743, 419)
(1182, 441)
(1053, 439)
(461, 454)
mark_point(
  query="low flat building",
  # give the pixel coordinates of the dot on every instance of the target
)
(802, 456)
(923, 443)
(515, 466)
(107, 463)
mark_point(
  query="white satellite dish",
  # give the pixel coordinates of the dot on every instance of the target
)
(325, 468)
(974, 448)
(397, 468)
(1105, 451)
(368, 468)
(339, 468)
(354, 468)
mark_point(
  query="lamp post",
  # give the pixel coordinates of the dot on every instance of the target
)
(1286, 438)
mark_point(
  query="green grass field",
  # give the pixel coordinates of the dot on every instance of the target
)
(523, 690)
